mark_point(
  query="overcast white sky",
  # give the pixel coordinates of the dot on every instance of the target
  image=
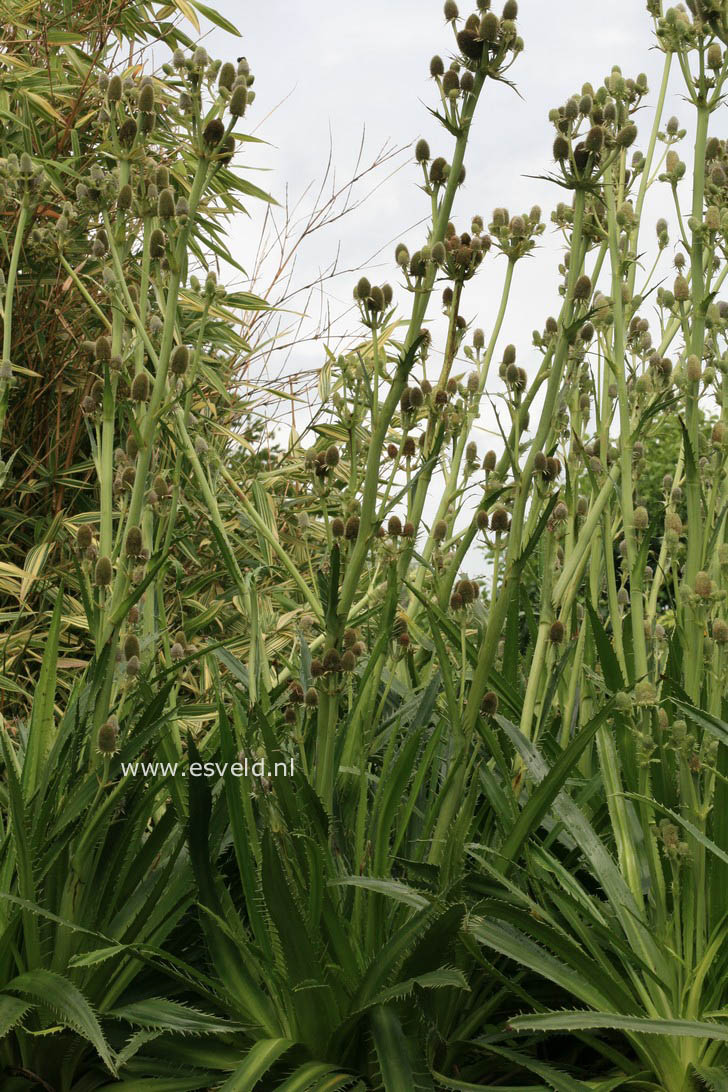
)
(326, 72)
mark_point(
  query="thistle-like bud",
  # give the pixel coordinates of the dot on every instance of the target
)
(127, 133)
(489, 461)
(510, 11)
(348, 661)
(238, 100)
(376, 299)
(556, 633)
(450, 81)
(146, 98)
(140, 387)
(351, 531)
(401, 257)
(681, 289)
(107, 737)
(703, 585)
(157, 244)
(146, 123)
(132, 667)
(594, 139)
(312, 698)
(471, 46)
(439, 531)
(131, 646)
(437, 68)
(332, 660)
(450, 10)
(84, 536)
(337, 527)
(478, 338)
(499, 521)
(332, 455)
(641, 518)
(489, 27)
(133, 542)
(693, 369)
(165, 204)
(489, 704)
(124, 198)
(102, 349)
(394, 526)
(103, 572)
(180, 359)
(227, 76)
(561, 148)
(720, 631)
(627, 135)
(422, 151)
(438, 170)
(481, 519)
(715, 56)
(553, 468)
(583, 287)
(114, 89)
(363, 288)
(177, 651)
(213, 132)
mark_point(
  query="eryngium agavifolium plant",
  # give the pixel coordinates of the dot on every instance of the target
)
(502, 853)
(584, 729)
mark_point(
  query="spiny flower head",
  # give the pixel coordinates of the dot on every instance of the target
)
(107, 737)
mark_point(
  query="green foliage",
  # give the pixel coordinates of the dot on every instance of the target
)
(498, 851)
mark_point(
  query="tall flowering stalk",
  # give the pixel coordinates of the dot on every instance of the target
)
(486, 47)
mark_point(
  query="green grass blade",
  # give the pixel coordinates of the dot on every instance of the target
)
(40, 733)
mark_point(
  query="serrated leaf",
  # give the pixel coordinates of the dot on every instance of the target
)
(161, 1013)
(12, 1011)
(637, 1025)
(257, 1063)
(67, 1003)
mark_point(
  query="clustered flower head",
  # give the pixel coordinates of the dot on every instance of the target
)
(375, 301)
(485, 41)
(515, 236)
(593, 125)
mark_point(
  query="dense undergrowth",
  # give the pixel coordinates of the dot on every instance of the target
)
(501, 856)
